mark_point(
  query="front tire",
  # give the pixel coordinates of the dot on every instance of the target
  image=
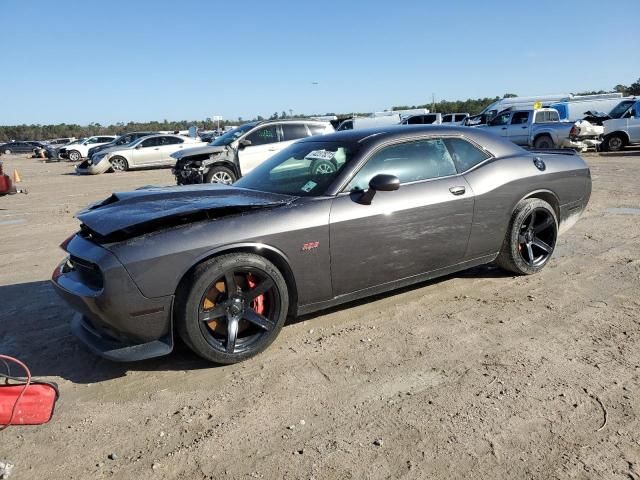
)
(75, 156)
(530, 239)
(119, 164)
(543, 142)
(615, 143)
(232, 307)
(220, 174)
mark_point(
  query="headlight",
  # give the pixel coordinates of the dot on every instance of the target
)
(97, 158)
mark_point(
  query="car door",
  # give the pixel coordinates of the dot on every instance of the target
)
(146, 152)
(264, 143)
(168, 146)
(421, 227)
(634, 124)
(518, 128)
(499, 124)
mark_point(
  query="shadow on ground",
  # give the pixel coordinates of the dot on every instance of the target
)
(34, 327)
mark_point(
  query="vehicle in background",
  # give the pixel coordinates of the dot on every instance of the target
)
(423, 119)
(537, 128)
(623, 126)
(20, 147)
(121, 140)
(210, 135)
(454, 118)
(80, 149)
(59, 142)
(147, 151)
(519, 103)
(577, 107)
(357, 123)
(239, 151)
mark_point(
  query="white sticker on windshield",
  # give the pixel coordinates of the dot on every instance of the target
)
(307, 187)
(320, 155)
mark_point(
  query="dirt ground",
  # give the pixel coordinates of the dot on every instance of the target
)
(476, 375)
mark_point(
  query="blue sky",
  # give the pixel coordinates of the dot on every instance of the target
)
(86, 61)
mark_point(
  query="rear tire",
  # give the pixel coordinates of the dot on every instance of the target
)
(543, 142)
(614, 143)
(218, 317)
(220, 174)
(530, 239)
(119, 164)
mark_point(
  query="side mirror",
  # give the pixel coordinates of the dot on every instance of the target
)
(244, 143)
(380, 183)
(384, 183)
(139, 146)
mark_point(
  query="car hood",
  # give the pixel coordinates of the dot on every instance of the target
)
(188, 152)
(127, 214)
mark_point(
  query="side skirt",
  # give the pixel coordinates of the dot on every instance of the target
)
(389, 286)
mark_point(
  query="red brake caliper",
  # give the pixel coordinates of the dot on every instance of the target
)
(258, 303)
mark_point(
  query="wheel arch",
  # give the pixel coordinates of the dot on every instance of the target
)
(543, 134)
(274, 255)
(224, 163)
(622, 133)
(547, 195)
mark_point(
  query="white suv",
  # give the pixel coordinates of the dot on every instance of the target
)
(80, 148)
(240, 150)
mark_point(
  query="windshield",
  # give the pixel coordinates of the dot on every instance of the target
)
(302, 169)
(622, 107)
(232, 135)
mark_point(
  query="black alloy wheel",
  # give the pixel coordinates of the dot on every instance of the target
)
(537, 237)
(530, 238)
(235, 307)
(238, 309)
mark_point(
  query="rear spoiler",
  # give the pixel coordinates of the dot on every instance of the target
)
(559, 151)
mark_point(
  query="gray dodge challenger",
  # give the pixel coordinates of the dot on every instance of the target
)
(327, 220)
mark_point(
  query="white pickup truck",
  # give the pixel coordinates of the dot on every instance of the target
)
(538, 128)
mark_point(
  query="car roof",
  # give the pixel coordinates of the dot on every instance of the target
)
(288, 120)
(493, 143)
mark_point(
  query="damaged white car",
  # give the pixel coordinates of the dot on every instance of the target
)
(146, 152)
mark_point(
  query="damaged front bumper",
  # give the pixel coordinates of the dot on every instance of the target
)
(114, 319)
(86, 167)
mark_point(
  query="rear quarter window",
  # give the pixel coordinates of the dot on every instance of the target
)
(465, 154)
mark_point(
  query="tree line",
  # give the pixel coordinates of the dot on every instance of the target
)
(62, 130)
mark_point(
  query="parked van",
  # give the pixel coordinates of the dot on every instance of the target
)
(576, 107)
(428, 119)
(623, 128)
(520, 103)
(357, 123)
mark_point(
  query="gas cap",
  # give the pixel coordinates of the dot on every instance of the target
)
(539, 163)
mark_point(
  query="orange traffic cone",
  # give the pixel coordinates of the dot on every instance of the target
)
(16, 176)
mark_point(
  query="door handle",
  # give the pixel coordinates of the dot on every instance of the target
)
(272, 149)
(157, 148)
(504, 128)
(524, 127)
(457, 190)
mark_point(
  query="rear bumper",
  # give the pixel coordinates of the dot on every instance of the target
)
(114, 318)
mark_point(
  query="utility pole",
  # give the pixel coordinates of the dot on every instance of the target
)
(433, 103)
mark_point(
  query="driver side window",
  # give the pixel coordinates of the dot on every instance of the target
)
(263, 136)
(501, 119)
(150, 142)
(410, 162)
